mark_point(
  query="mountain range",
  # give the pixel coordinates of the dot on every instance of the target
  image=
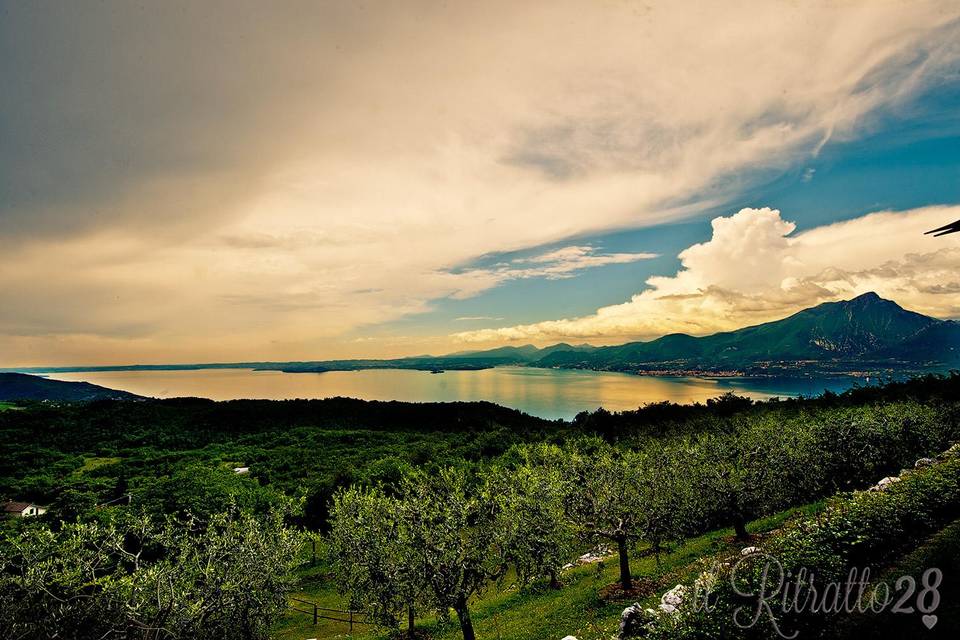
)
(866, 334)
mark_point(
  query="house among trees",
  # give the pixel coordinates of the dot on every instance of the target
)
(13, 509)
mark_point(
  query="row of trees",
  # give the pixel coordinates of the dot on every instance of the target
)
(436, 540)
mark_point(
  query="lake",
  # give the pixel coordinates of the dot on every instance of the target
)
(548, 393)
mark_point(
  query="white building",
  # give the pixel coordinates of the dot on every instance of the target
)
(22, 509)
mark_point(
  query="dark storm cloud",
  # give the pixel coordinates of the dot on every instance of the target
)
(157, 114)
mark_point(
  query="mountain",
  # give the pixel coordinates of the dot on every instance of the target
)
(21, 386)
(523, 354)
(865, 334)
(834, 335)
(462, 360)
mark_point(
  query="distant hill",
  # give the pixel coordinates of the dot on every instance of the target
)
(20, 386)
(525, 353)
(865, 334)
(834, 335)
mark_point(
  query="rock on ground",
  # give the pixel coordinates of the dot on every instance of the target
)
(631, 621)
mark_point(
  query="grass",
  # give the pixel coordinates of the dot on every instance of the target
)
(90, 463)
(507, 613)
(4, 406)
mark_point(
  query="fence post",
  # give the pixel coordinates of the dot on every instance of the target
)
(351, 620)
(313, 543)
(314, 614)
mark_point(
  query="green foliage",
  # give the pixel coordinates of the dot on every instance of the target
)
(860, 529)
(433, 504)
(200, 490)
(607, 502)
(453, 524)
(135, 578)
(533, 527)
(439, 543)
(374, 557)
(543, 499)
(309, 448)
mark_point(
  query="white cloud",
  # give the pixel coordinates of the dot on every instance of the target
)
(755, 269)
(553, 265)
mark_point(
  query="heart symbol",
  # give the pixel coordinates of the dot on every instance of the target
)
(929, 621)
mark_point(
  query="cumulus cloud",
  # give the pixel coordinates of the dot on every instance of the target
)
(248, 180)
(756, 269)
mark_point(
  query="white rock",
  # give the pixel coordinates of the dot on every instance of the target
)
(631, 620)
(746, 551)
(886, 482)
(668, 608)
(569, 637)
(923, 462)
(594, 555)
(674, 597)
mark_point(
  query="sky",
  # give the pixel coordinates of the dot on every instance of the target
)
(238, 181)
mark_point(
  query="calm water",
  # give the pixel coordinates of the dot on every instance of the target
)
(549, 393)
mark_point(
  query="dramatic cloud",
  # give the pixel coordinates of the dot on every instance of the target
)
(554, 265)
(234, 180)
(754, 269)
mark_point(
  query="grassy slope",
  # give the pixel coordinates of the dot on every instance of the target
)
(92, 463)
(942, 551)
(505, 613)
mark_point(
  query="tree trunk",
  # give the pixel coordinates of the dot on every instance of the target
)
(463, 615)
(411, 631)
(625, 580)
(554, 583)
(740, 527)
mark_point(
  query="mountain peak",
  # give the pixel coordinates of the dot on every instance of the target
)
(869, 302)
(866, 328)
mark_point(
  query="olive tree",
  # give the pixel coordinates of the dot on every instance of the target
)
(136, 578)
(453, 524)
(374, 557)
(534, 531)
(745, 473)
(608, 501)
(666, 500)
